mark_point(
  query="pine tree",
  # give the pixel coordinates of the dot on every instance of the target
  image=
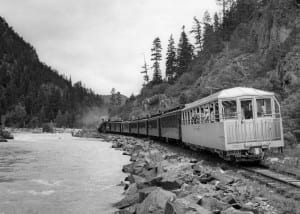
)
(216, 22)
(184, 54)
(145, 72)
(207, 34)
(211, 40)
(113, 96)
(118, 99)
(225, 4)
(156, 58)
(171, 60)
(197, 31)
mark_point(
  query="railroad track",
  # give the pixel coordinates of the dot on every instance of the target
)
(288, 185)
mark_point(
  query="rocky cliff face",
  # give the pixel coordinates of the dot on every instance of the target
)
(265, 48)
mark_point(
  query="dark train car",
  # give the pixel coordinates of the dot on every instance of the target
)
(115, 127)
(104, 127)
(134, 127)
(170, 125)
(125, 127)
(143, 127)
(154, 126)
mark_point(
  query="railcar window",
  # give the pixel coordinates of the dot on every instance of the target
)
(142, 125)
(170, 121)
(277, 110)
(212, 113)
(264, 107)
(202, 115)
(152, 124)
(229, 109)
(247, 110)
(217, 112)
(134, 125)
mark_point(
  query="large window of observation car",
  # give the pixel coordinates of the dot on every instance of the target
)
(217, 118)
(264, 107)
(229, 109)
(277, 109)
(247, 110)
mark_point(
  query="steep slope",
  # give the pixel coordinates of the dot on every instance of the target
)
(31, 92)
(262, 52)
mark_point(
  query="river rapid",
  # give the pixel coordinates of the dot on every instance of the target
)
(57, 173)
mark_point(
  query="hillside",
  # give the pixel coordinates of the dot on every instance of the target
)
(32, 93)
(262, 50)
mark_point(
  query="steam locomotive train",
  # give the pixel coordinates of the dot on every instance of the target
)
(238, 124)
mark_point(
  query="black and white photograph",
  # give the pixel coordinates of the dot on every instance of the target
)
(149, 106)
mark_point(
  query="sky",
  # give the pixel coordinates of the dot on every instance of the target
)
(101, 42)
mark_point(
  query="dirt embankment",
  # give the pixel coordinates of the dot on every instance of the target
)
(163, 181)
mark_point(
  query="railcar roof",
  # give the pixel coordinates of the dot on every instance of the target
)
(230, 93)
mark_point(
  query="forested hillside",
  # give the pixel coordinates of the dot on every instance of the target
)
(254, 43)
(32, 93)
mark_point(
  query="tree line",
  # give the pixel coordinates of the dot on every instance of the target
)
(211, 35)
(32, 93)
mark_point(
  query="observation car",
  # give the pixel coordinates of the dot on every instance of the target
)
(238, 124)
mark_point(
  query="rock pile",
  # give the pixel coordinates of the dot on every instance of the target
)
(160, 181)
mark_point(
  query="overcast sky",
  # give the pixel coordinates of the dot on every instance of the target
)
(101, 42)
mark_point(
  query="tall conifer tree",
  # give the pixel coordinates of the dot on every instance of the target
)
(171, 60)
(156, 58)
(184, 54)
(145, 72)
(197, 31)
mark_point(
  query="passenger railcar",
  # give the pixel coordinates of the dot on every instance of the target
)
(237, 123)
(125, 127)
(154, 126)
(134, 127)
(143, 127)
(170, 123)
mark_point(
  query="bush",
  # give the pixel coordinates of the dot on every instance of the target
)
(48, 127)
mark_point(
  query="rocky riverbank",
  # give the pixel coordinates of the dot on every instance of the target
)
(4, 135)
(163, 181)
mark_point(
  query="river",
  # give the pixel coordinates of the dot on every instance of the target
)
(57, 173)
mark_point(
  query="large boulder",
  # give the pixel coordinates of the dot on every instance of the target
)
(135, 168)
(168, 181)
(143, 193)
(132, 189)
(213, 204)
(222, 177)
(2, 139)
(155, 202)
(183, 206)
(231, 210)
(135, 179)
(127, 201)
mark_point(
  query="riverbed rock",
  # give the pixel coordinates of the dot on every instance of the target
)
(132, 189)
(183, 206)
(222, 177)
(143, 193)
(127, 201)
(231, 210)
(134, 168)
(213, 204)
(155, 202)
(2, 139)
(135, 179)
(6, 135)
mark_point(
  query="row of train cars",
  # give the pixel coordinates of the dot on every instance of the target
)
(239, 124)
